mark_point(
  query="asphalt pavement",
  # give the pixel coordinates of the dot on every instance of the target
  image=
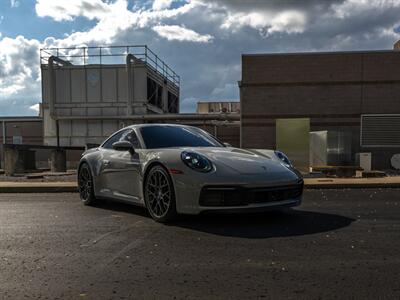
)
(340, 244)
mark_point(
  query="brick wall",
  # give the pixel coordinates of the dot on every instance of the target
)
(332, 89)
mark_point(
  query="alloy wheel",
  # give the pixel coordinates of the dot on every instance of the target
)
(85, 183)
(158, 192)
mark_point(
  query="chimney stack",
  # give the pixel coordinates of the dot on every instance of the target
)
(396, 46)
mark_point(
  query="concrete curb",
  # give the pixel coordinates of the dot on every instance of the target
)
(352, 186)
(352, 183)
(38, 187)
(71, 187)
(44, 189)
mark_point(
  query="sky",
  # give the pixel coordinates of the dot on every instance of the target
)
(201, 40)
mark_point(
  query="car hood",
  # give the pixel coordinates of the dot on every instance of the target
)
(242, 161)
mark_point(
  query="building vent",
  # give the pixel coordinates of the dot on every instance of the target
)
(380, 130)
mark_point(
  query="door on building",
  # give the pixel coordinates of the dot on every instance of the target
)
(292, 138)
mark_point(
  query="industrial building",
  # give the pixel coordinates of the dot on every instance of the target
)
(357, 93)
(20, 130)
(90, 92)
(320, 108)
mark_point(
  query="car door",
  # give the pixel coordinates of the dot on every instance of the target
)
(120, 170)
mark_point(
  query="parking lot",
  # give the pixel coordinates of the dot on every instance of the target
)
(339, 244)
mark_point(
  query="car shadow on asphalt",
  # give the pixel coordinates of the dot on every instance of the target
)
(291, 222)
(286, 223)
(121, 207)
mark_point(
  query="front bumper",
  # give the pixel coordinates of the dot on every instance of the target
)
(240, 197)
(223, 196)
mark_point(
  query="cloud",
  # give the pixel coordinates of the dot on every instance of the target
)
(178, 33)
(18, 66)
(14, 3)
(35, 107)
(349, 8)
(188, 104)
(113, 19)
(67, 10)
(161, 4)
(228, 91)
(290, 21)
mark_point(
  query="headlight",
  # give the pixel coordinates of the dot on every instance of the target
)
(196, 161)
(282, 156)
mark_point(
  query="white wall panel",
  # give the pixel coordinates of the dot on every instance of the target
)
(93, 85)
(109, 84)
(78, 91)
(94, 128)
(122, 85)
(79, 128)
(109, 127)
(63, 85)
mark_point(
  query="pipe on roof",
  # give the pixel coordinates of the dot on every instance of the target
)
(160, 117)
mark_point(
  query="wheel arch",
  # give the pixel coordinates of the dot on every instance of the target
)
(146, 173)
(81, 163)
(149, 167)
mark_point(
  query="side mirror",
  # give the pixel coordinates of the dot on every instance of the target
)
(227, 145)
(123, 146)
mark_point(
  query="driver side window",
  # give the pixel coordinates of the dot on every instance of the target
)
(115, 138)
(131, 137)
(124, 135)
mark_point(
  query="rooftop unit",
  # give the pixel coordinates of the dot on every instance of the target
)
(107, 83)
(206, 107)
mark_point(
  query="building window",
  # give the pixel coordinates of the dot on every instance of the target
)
(154, 93)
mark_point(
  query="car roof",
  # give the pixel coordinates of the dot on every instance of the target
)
(156, 124)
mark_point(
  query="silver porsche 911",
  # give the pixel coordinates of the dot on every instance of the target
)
(172, 169)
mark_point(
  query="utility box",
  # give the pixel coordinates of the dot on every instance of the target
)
(330, 148)
(364, 160)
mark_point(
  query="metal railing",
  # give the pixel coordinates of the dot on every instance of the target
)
(110, 55)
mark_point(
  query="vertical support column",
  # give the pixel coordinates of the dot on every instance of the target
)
(4, 132)
(11, 158)
(130, 78)
(52, 85)
(18, 160)
(58, 133)
(241, 115)
(58, 160)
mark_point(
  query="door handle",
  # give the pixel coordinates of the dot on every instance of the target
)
(106, 162)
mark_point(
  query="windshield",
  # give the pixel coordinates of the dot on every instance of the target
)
(175, 136)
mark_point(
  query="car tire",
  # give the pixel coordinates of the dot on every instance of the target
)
(85, 185)
(159, 195)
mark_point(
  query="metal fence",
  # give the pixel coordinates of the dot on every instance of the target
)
(110, 55)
